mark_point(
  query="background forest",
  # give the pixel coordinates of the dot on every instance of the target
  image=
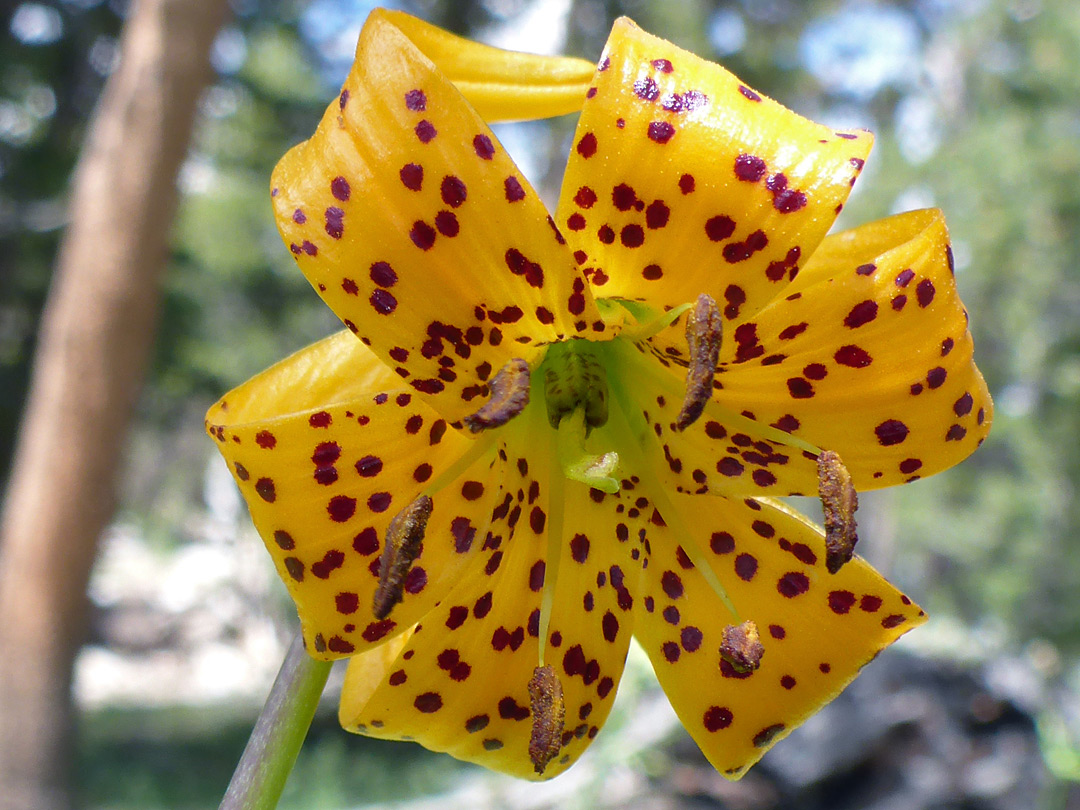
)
(976, 108)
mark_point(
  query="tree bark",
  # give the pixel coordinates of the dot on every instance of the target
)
(96, 333)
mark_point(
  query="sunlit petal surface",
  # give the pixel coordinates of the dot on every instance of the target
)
(621, 480)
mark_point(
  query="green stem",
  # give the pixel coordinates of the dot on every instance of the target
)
(279, 732)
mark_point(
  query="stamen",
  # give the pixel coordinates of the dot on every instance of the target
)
(548, 717)
(403, 539)
(509, 396)
(741, 646)
(703, 334)
(839, 501)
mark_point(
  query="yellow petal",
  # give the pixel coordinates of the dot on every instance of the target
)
(325, 456)
(868, 354)
(818, 629)
(682, 180)
(501, 85)
(460, 683)
(420, 233)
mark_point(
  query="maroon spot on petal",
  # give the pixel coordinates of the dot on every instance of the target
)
(382, 301)
(652, 272)
(632, 236)
(717, 718)
(425, 131)
(661, 131)
(691, 638)
(295, 568)
(841, 601)
(586, 147)
(749, 168)
(852, 356)
(766, 735)
(730, 467)
(861, 314)
(453, 191)
(672, 584)
(537, 518)
(894, 620)
(910, 465)
(722, 543)
(482, 606)
(483, 147)
(346, 603)
(800, 388)
(447, 223)
(687, 184)
(416, 101)
(428, 702)
(422, 235)
(513, 188)
(962, 406)
(646, 89)
(412, 176)
(575, 222)
(865, 269)
(748, 93)
(331, 561)
(671, 651)
(904, 277)
(335, 221)
(579, 548)
(663, 65)
(870, 603)
(741, 251)
(585, 197)
(339, 187)
(898, 302)
(457, 616)
(379, 501)
(955, 433)
(792, 584)
(610, 626)
(369, 466)
(746, 566)
(924, 291)
(341, 508)
(366, 542)
(657, 215)
(890, 432)
(719, 228)
(787, 682)
(815, 371)
(265, 488)
(935, 377)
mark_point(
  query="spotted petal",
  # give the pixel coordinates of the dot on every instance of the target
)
(682, 180)
(417, 229)
(325, 456)
(818, 629)
(868, 354)
(459, 683)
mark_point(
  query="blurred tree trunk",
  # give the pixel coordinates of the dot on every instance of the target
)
(95, 339)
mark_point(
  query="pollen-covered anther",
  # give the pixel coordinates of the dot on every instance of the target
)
(703, 335)
(548, 717)
(509, 396)
(741, 646)
(839, 502)
(404, 536)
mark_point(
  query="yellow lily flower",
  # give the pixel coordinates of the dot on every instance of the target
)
(540, 436)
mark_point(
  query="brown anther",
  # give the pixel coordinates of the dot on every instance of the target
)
(741, 646)
(509, 396)
(703, 334)
(548, 716)
(403, 539)
(839, 502)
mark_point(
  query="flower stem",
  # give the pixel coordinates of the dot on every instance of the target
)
(279, 732)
